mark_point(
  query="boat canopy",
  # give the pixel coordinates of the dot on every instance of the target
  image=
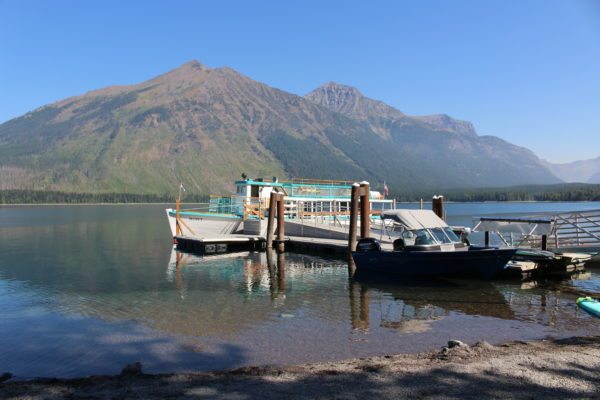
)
(415, 219)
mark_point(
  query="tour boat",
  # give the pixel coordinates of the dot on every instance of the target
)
(315, 208)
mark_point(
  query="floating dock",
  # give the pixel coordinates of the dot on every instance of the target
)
(219, 244)
(230, 243)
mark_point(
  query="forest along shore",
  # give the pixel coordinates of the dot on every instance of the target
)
(544, 369)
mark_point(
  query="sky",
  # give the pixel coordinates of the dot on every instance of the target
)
(525, 71)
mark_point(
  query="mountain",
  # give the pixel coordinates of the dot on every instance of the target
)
(434, 150)
(351, 102)
(585, 171)
(204, 127)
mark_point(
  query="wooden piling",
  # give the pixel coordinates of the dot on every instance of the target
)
(487, 238)
(272, 274)
(280, 224)
(353, 218)
(359, 306)
(544, 242)
(270, 221)
(365, 210)
(281, 271)
(177, 225)
(437, 205)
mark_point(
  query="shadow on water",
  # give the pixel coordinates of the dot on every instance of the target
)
(55, 346)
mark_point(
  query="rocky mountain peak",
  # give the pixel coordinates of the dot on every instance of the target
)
(189, 71)
(350, 101)
(444, 121)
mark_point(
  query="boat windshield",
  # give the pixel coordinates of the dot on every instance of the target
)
(429, 236)
(417, 237)
(450, 233)
(442, 235)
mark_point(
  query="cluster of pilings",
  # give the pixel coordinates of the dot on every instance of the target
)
(276, 207)
(359, 199)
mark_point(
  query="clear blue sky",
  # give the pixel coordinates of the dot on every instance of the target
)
(526, 71)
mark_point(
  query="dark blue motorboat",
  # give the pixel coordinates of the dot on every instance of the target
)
(427, 247)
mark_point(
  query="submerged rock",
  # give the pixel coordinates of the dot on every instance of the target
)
(132, 369)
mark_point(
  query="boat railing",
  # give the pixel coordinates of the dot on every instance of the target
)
(336, 216)
(332, 212)
(309, 181)
(230, 205)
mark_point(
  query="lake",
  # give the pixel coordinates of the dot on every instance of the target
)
(88, 289)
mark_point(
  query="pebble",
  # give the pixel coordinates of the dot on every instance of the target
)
(456, 343)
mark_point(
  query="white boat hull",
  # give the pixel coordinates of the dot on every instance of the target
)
(202, 226)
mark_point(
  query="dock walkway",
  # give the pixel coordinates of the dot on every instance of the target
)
(229, 243)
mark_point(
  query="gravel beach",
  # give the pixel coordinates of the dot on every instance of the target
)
(545, 369)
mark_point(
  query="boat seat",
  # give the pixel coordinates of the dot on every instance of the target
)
(399, 245)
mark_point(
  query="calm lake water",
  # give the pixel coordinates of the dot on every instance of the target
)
(88, 289)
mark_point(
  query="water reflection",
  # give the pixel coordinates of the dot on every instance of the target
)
(374, 302)
(93, 288)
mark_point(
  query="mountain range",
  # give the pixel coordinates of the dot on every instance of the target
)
(583, 171)
(206, 126)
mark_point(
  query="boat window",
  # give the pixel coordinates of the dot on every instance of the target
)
(438, 233)
(451, 235)
(422, 236)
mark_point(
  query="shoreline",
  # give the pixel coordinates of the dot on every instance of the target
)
(562, 368)
(398, 202)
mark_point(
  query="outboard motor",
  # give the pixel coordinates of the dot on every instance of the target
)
(368, 244)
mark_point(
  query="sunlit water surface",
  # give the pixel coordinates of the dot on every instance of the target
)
(88, 289)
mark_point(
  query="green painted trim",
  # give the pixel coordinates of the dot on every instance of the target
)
(257, 183)
(197, 214)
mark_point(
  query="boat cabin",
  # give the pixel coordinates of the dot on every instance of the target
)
(309, 197)
(256, 188)
(421, 230)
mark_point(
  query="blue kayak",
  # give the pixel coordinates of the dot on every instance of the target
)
(590, 305)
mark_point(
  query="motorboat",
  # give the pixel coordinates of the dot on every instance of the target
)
(428, 247)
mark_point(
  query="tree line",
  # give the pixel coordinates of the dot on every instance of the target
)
(560, 192)
(56, 197)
